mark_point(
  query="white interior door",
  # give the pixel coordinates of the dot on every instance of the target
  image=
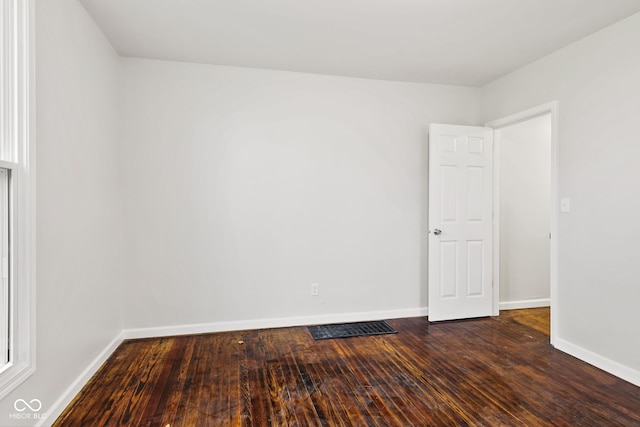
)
(460, 222)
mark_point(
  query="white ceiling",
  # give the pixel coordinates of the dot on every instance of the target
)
(462, 42)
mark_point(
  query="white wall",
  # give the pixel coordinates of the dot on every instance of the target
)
(596, 83)
(79, 209)
(244, 186)
(525, 171)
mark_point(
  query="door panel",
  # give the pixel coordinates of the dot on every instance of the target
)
(449, 185)
(475, 266)
(460, 209)
(449, 267)
(475, 196)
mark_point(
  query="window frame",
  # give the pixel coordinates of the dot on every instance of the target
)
(5, 267)
(17, 154)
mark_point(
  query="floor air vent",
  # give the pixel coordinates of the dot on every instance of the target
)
(346, 330)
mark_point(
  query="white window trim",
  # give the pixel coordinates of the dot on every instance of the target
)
(17, 153)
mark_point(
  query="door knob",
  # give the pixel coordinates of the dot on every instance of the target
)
(437, 231)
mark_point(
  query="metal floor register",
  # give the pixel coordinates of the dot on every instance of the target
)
(346, 330)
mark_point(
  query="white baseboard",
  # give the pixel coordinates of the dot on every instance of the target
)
(529, 303)
(241, 325)
(619, 370)
(67, 396)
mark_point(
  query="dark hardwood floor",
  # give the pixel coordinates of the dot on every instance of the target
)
(498, 371)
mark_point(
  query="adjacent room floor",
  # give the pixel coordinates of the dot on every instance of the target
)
(490, 371)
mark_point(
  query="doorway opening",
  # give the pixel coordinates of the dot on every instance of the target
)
(525, 211)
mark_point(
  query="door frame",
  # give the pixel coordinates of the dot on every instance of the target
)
(551, 109)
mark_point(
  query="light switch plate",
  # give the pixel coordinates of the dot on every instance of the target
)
(565, 205)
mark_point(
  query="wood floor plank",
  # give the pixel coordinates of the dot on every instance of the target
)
(380, 379)
(498, 371)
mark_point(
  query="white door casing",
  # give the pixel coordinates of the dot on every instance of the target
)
(550, 108)
(460, 222)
